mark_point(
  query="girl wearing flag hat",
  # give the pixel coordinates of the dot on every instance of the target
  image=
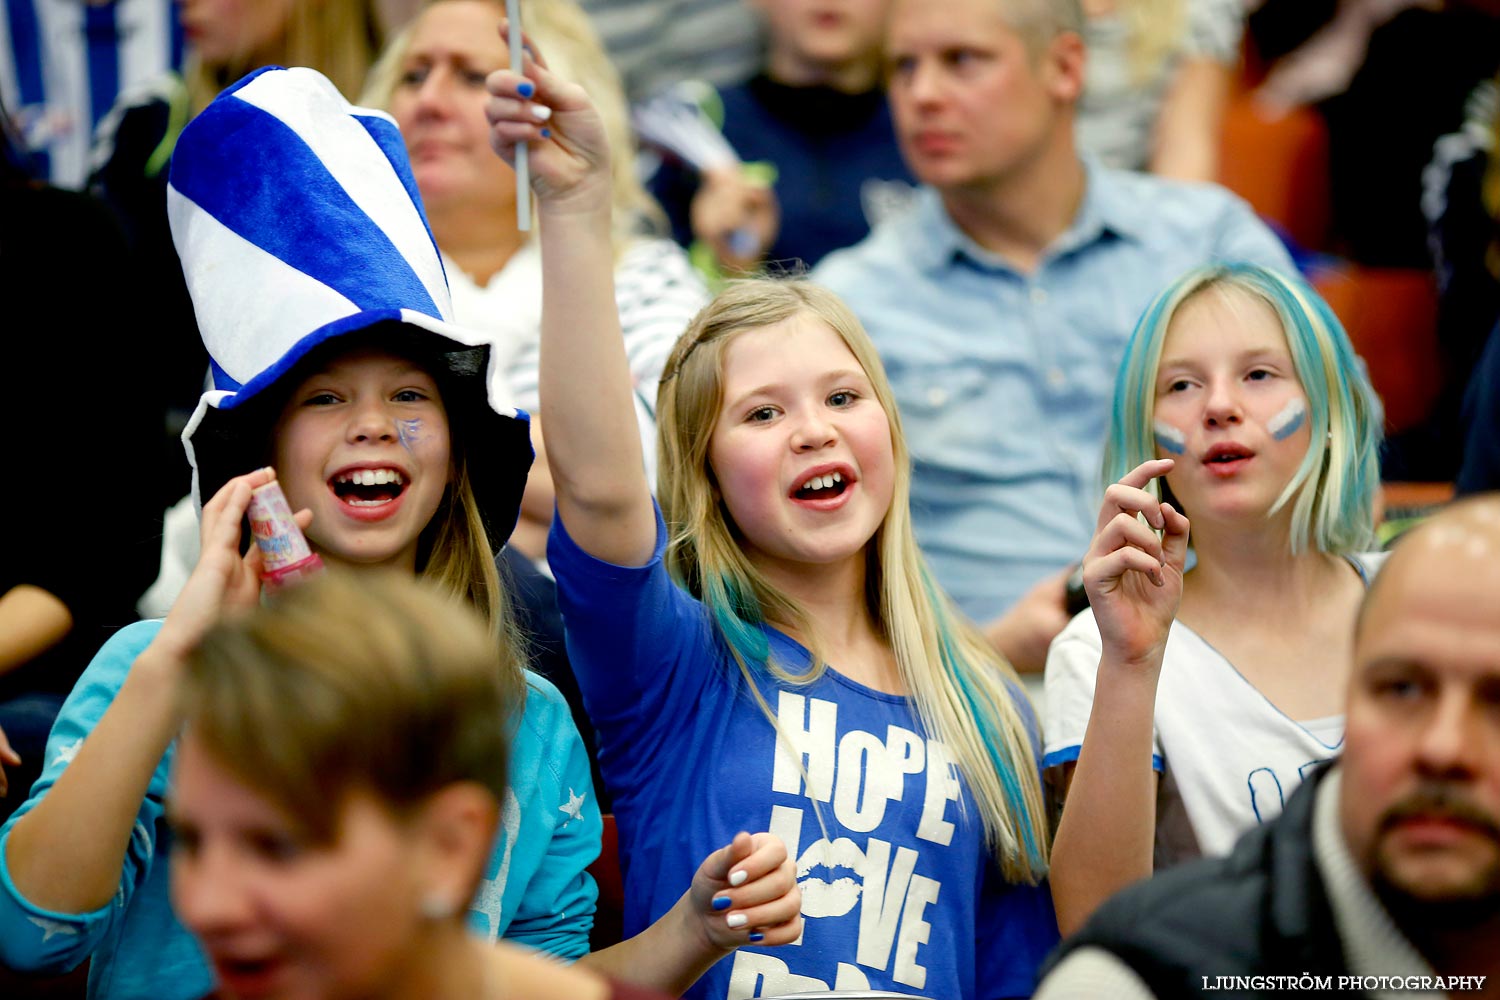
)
(324, 308)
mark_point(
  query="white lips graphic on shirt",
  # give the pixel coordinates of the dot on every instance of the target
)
(831, 897)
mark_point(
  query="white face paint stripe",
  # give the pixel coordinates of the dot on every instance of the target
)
(1286, 422)
(1169, 438)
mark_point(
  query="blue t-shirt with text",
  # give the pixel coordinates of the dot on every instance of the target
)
(899, 891)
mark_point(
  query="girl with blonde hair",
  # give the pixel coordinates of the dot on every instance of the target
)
(1240, 404)
(431, 79)
(336, 362)
(769, 647)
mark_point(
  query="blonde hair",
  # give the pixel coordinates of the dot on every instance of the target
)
(964, 694)
(338, 38)
(1155, 29)
(571, 46)
(454, 551)
(459, 558)
(1332, 494)
(1038, 22)
(377, 683)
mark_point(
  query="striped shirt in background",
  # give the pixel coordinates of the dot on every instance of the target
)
(63, 63)
(656, 289)
(1118, 113)
(654, 43)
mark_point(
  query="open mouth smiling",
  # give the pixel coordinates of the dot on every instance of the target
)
(828, 483)
(822, 487)
(368, 487)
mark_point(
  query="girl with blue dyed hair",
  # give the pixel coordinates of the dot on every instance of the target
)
(1240, 404)
(768, 647)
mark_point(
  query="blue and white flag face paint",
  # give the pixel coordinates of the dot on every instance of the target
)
(1286, 421)
(297, 218)
(1168, 438)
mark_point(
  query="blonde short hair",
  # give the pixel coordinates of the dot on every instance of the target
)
(377, 683)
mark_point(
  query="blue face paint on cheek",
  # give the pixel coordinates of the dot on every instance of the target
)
(409, 432)
(1286, 422)
(1169, 438)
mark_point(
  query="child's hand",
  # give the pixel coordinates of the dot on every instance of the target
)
(568, 149)
(747, 893)
(737, 217)
(8, 758)
(1134, 579)
(223, 581)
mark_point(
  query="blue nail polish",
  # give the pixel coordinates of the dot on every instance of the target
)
(756, 937)
(546, 133)
(526, 89)
(722, 902)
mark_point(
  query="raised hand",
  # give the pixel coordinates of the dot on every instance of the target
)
(1133, 577)
(746, 892)
(223, 580)
(738, 217)
(568, 147)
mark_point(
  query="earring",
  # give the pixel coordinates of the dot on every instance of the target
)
(436, 905)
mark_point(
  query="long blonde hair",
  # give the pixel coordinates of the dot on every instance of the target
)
(963, 693)
(338, 38)
(454, 551)
(567, 40)
(459, 558)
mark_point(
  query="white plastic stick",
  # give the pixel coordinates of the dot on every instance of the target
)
(523, 168)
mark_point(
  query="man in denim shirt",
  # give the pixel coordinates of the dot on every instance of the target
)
(1001, 302)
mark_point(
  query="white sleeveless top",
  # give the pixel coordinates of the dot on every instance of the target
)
(1228, 757)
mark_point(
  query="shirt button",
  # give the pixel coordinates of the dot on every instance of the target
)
(1038, 296)
(1056, 378)
(937, 395)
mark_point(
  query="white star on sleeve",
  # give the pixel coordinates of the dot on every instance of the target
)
(573, 807)
(67, 752)
(53, 928)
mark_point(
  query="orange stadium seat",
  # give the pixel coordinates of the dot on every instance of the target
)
(1391, 316)
(1279, 166)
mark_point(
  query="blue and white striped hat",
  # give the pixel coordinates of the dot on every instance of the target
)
(298, 221)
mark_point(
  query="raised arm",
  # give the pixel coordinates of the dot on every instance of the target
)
(67, 854)
(1190, 125)
(1134, 582)
(593, 447)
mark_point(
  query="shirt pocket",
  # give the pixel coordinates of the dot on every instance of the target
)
(958, 422)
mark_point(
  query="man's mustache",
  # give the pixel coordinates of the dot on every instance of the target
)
(1441, 801)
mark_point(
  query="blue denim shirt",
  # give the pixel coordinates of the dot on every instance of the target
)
(1005, 379)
